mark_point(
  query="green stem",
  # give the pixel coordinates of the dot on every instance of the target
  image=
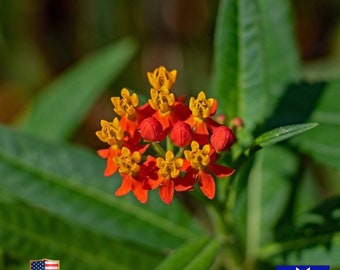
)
(254, 214)
(232, 257)
(159, 150)
(169, 145)
(179, 153)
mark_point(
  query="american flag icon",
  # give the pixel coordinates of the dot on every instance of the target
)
(44, 264)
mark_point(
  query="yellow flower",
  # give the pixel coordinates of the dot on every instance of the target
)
(126, 105)
(198, 158)
(161, 76)
(161, 100)
(202, 107)
(127, 162)
(169, 167)
(111, 132)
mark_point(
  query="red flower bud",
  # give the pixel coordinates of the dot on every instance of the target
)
(221, 118)
(151, 129)
(222, 138)
(181, 134)
(237, 123)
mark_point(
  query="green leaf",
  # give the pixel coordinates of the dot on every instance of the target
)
(262, 196)
(278, 170)
(290, 110)
(308, 232)
(239, 75)
(310, 255)
(282, 133)
(196, 254)
(252, 63)
(32, 233)
(281, 55)
(272, 137)
(68, 183)
(316, 255)
(184, 254)
(323, 143)
(62, 105)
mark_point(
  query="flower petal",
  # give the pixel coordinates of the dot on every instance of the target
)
(140, 193)
(104, 153)
(207, 184)
(128, 125)
(111, 167)
(201, 134)
(109, 154)
(166, 191)
(219, 170)
(186, 183)
(181, 110)
(125, 187)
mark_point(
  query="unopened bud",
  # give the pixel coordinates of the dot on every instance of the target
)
(222, 138)
(181, 134)
(237, 123)
(151, 129)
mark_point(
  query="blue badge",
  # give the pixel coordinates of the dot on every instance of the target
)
(302, 267)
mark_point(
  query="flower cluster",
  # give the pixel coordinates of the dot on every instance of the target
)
(185, 140)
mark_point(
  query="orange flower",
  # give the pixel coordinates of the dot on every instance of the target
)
(129, 167)
(200, 120)
(112, 133)
(169, 171)
(202, 167)
(168, 109)
(130, 114)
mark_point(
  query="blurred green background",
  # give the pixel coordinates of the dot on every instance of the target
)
(39, 39)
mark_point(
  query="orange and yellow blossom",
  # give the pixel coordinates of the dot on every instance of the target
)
(131, 114)
(112, 134)
(200, 119)
(169, 172)
(128, 164)
(203, 167)
(168, 109)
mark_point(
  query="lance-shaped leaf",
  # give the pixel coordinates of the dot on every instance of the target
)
(252, 64)
(29, 232)
(63, 104)
(282, 133)
(282, 64)
(196, 254)
(272, 137)
(239, 78)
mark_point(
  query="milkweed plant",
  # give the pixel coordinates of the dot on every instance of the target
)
(215, 179)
